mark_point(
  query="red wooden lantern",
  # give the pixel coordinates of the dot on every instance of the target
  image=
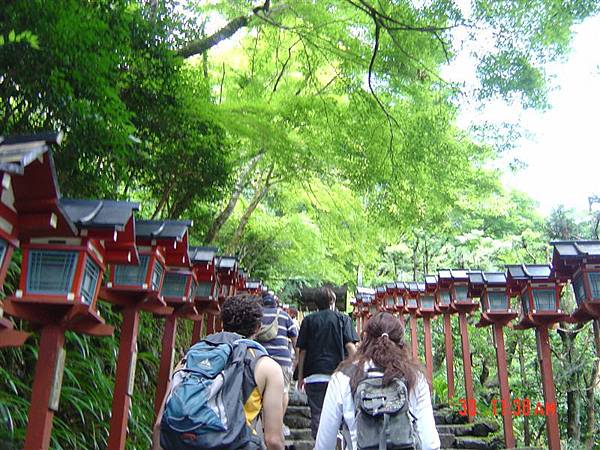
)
(539, 291)
(227, 273)
(579, 261)
(492, 289)
(389, 299)
(253, 287)
(457, 282)
(242, 277)
(441, 289)
(363, 300)
(178, 291)
(135, 288)
(28, 198)
(227, 270)
(427, 311)
(203, 260)
(411, 300)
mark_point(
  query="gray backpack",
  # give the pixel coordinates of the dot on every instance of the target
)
(383, 420)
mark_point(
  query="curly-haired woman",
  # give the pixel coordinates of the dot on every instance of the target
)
(383, 353)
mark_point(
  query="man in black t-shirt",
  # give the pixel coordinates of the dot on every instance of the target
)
(325, 339)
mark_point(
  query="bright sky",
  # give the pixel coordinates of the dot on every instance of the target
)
(562, 152)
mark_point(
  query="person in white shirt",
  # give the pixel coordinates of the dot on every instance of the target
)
(383, 347)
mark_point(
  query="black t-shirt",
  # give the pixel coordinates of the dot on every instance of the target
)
(323, 335)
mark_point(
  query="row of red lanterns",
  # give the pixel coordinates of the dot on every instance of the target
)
(67, 247)
(538, 288)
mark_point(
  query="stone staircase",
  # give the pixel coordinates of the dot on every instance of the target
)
(454, 430)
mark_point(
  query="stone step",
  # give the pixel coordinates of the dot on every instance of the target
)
(299, 434)
(297, 421)
(296, 410)
(481, 428)
(478, 443)
(448, 417)
(297, 398)
(300, 445)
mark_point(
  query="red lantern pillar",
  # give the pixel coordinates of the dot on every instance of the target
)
(539, 289)
(509, 436)
(449, 349)
(467, 369)
(428, 345)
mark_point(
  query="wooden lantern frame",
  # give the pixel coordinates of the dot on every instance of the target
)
(579, 261)
(204, 264)
(484, 284)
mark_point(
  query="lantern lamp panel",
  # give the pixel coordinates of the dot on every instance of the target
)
(594, 278)
(3, 249)
(390, 301)
(497, 301)
(412, 302)
(461, 293)
(174, 284)
(157, 274)
(525, 302)
(579, 290)
(193, 289)
(204, 289)
(89, 282)
(131, 275)
(51, 271)
(544, 299)
(427, 302)
(444, 297)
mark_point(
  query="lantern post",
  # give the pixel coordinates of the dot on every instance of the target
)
(23, 160)
(227, 274)
(579, 261)
(206, 299)
(492, 289)
(389, 301)
(361, 309)
(539, 291)
(427, 310)
(178, 291)
(411, 301)
(399, 293)
(132, 289)
(61, 273)
(253, 287)
(442, 306)
(458, 282)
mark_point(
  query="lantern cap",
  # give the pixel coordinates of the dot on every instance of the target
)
(162, 229)
(381, 289)
(529, 272)
(253, 284)
(569, 255)
(227, 262)
(88, 214)
(18, 151)
(202, 254)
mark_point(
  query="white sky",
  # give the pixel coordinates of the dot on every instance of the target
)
(562, 152)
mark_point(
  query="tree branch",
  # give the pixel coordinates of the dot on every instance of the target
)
(199, 46)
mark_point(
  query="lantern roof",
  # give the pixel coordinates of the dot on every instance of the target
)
(17, 152)
(448, 276)
(381, 290)
(431, 283)
(519, 275)
(226, 262)
(569, 255)
(163, 229)
(415, 287)
(202, 254)
(253, 284)
(478, 280)
(364, 293)
(30, 193)
(390, 286)
(90, 214)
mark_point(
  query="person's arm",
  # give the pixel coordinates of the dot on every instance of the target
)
(350, 348)
(268, 375)
(294, 351)
(301, 356)
(423, 412)
(331, 415)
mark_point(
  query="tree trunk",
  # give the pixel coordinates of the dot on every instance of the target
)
(590, 424)
(568, 336)
(220, 220)
(415, 258)
(526, 426)
(259, 194)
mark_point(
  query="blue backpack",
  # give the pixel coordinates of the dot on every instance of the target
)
(206, 407)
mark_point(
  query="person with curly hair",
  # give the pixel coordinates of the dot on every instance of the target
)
(241, 316)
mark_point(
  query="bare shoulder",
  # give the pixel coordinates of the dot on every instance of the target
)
(267, 371)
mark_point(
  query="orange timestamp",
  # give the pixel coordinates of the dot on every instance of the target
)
(517, 407)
